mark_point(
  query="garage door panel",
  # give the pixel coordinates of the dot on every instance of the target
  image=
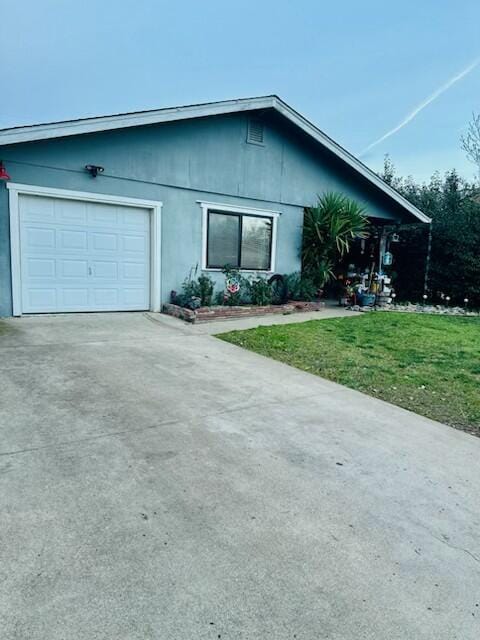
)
(130, 217)
(103, 214)
(37, 299)
(40, 237)
(37, 208)
(104, 242)
(133, 270)
(41, 268)
(75, 298)
(106, 298)
(67, 265)
(76, 240)
(103, 269)
(133, 243)
(73, 213)
(133, 296)
(74, 268)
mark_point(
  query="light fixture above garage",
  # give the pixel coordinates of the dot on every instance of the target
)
(94, 169)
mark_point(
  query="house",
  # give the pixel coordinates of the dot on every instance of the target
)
(111, 213)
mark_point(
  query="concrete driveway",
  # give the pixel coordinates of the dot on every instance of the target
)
(157, 483)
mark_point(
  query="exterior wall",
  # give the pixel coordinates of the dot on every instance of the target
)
(181, 163)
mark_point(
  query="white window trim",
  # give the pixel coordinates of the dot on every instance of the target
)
(241, 210)
(154, 206)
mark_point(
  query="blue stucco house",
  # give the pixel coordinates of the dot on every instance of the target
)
(206, 184)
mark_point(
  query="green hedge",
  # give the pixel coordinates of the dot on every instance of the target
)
(454, 206)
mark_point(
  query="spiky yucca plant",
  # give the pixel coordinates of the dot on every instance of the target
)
(328, 231)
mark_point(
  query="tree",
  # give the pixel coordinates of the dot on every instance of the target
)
(453, 205)
(471, 141)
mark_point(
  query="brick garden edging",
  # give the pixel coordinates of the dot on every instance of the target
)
(203, 314)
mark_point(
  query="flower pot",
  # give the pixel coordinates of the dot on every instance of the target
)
(366, 299)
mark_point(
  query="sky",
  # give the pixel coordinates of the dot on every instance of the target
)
(358, 70)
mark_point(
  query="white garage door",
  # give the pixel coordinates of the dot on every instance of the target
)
(83, 256)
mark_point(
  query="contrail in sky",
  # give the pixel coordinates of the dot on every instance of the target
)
(423, 104)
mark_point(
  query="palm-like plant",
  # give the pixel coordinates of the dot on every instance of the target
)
(328, 231)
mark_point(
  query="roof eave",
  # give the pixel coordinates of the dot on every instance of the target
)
(31, 133)
(47, 131)
(347, 157)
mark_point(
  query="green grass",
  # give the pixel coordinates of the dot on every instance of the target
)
(428, 364)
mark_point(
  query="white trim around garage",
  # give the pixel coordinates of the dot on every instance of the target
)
(242, 210)
(154, 206)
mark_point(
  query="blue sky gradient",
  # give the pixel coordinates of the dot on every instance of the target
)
(356, 69)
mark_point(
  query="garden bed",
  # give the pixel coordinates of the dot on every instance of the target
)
(438, 309)
(222, 312)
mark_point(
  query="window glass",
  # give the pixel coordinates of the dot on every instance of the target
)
(223, 240)
(256, 241)
(240, 241)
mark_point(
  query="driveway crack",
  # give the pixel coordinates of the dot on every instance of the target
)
(173, 421)
(443, 540)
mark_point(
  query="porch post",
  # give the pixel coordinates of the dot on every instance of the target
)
(382, 246)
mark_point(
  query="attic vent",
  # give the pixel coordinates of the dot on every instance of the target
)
(255, 131)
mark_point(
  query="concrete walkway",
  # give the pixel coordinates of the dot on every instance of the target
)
(160, 484)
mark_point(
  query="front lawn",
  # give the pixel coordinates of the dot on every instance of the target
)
(428, 364)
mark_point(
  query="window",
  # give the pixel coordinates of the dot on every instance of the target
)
(240, 240)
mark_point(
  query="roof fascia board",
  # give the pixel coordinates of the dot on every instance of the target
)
(107, 123)
(337, 150)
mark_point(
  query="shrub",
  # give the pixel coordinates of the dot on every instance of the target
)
(300, 287)
(190, 288)
(205, 290)
(260, 291)
(453, 203)
(220, 298)
(195, 292)
(184, 300)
